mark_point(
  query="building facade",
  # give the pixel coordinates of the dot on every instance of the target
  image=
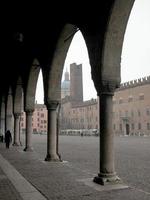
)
(65, 86)
(82, 115)
(132, 108)
(39, 120)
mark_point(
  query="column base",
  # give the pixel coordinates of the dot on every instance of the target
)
(53, 158)
(30, 149)
(107, 179)
(16, 144)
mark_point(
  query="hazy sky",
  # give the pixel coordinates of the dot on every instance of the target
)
(135, 61)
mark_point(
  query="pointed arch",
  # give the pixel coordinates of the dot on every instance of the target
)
(30, 88)
(113, 40)
(52, 76)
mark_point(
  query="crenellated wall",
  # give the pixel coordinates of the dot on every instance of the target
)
(134, 83)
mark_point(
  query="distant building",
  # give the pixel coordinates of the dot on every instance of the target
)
(131, 107)
(83, 115)
(76, 113)
(65, 86)
(131, 110)
(76, 83)
(39, 119)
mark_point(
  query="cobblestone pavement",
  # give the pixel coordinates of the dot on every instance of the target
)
(65, 180)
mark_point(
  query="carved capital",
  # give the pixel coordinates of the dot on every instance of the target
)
(107, 87)
(17, 115)
(52, 105)
(29, 112)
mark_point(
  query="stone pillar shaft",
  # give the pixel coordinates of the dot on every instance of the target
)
(3, 118)
(9, 122)
(16, 129)
(52, 133)
(28, 138)
(3, 126)
(107, 137)
(107, 172)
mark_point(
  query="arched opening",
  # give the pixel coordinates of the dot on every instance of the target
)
(40, 113)
(135, 73)
(77, 53)
(136, 45)
(79, 105)
(131, 100)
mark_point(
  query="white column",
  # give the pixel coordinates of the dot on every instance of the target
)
(28, 135)
(52, 154)
(107, 172)
(16, 129)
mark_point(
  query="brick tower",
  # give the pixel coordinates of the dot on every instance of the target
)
(76, 83)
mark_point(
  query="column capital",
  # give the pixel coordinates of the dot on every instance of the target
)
(52, 104)
(17, 115)
(29, 112)
(107, 87)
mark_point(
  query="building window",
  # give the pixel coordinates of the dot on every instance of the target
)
(126, 113)
(130, 99)
(141, 97)
(148, 111)
(148, 126)
(114, 126)
(132, 126)
(120, 113)
(42, 115)
(139, 126)
(139, 113)
(132, 113)
(120, 127)
(120, 100)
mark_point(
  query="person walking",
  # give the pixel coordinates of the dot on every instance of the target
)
(8, 138)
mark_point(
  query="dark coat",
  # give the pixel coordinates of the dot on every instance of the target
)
(8, 137)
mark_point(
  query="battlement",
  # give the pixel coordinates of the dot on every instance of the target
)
(135, 83)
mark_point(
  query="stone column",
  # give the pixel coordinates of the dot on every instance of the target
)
(16, 129)
(52, 154)
(3, 118)
(9, 122)
(28, 138)
(107, 172)
(9, 112)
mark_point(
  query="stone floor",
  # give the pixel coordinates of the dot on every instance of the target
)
(25, 175)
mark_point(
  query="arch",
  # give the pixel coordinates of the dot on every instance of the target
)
(104, 44)
(113, 40)
(30, 88)
(52, 75)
